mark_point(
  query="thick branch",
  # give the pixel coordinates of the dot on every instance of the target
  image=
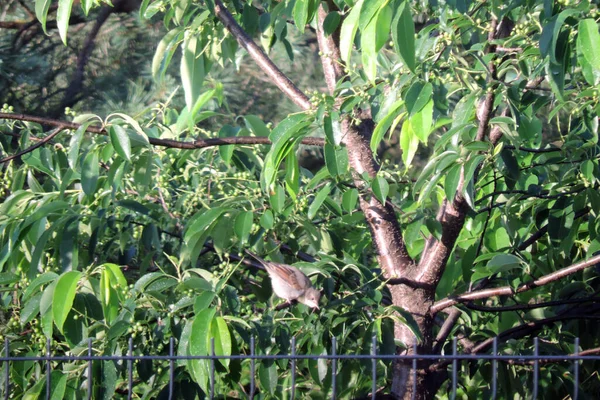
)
(260, 58)
(509, 291)
(175, 144)
(331, 58)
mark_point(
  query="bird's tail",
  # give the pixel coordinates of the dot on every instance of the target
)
(257, 258)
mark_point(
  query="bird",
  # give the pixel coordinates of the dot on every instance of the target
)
(289, 283)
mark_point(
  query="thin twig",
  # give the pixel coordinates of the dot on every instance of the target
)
(175, 144)
(40, 143)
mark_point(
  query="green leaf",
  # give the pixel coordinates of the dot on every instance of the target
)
(198, 229)
(266, 220)
(380, 188)
(384, 25)
(267, 376)
(243, 225)
(256, 125)
(69, 247)
(41, 12)
(89, 173)
(348, 31)
(137, 137)
(165, 51)
(227, 151)
(220, 333)
(331, 22)
(64, 294)
(120, 141)
(37, 282)
(284, 137)
(30, 309)
(336, 160)
(499, 263)
(203, 301)
(451, 182)
(464, 111)
(349, 200)
(318, 201)
(403, 35)
(277, 199)
(331, 126)
(63, 14)
(75, 143)
(588, 42)
(421, 122)
(384, 124)
(417, 96)
(369, 12)
(199, 346)
(409, 143)
(46, 315)
(471, 166)
(192, 70)
(6, 278)
(134, 206)
(300, 14)
(292, 175)
(368, 46)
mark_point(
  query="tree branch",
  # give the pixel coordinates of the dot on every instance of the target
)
(39, 143)
(520, 307)
(261, 59)
(176, 144)
(509, 291)
(542, 231)
(522, 330)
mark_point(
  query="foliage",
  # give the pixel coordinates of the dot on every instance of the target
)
(112, 233)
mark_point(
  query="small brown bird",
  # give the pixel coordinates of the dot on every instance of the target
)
(289, 283)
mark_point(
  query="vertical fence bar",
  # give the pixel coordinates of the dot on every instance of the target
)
(130, 370)
(171, 366)
(7, 372)
(454, 369)
(48, 369)
(494, 368)
(333, 368)
(89, 393)
(536, 366)
(414, 369)
(252, 360)
(576, 370)
(212, 368)
(374, 367)
(293, 367)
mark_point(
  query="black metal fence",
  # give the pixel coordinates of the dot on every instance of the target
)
(451, 359)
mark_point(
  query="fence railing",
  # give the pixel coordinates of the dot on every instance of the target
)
(451, 359)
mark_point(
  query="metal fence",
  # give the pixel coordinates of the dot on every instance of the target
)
(451, 359)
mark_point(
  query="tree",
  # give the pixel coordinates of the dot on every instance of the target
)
(495, 109)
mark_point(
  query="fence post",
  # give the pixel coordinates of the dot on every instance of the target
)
(7, 372)
(89, 395)
(333, 368)
(494, 367)
(536, 366)
(252, 359)
(171, 366)
(576, 370)
(130, 369)
(293, 367)
(48, 369)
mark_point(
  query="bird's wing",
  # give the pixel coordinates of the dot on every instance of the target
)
(288, 274)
